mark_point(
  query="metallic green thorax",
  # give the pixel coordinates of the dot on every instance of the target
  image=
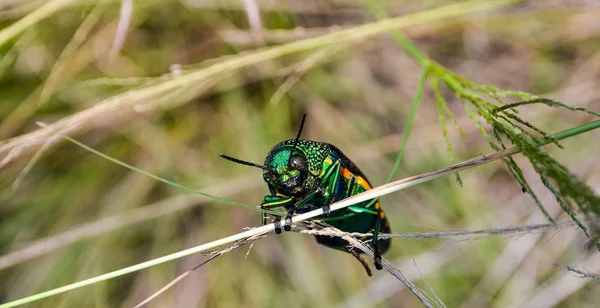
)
(315, 152)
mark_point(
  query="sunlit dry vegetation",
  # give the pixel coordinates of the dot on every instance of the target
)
(166, 86)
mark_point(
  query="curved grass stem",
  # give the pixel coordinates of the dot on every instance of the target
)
(156, 177)
(411, 120)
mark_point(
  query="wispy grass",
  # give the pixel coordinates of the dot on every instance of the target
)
(73, 124)
(571, 193)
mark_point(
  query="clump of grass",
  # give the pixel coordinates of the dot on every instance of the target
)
(489, 103)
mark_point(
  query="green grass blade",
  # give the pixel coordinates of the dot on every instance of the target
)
(441, 108)
(411, 120)
(412, 50)
(156, 177)
(31, 19)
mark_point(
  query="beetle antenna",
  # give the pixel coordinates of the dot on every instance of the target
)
(300, 130)
(242, 162)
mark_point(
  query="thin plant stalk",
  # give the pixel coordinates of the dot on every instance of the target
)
(409, 124)
(32, 18)
(367, 195)
(168, 182)
(411, 120)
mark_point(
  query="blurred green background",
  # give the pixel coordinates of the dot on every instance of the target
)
(68, 214)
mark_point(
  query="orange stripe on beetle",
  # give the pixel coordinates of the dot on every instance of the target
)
(346, 173)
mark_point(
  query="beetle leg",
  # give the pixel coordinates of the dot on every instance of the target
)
(330, 182)
(277, 223)
(327, 206)
(380, 214)
(263, 216)
(271, 202)
(287, 225)
(376, 252)
(362, 261)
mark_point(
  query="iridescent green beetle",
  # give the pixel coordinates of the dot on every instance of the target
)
(306, 175)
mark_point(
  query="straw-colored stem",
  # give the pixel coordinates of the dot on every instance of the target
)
(31, 19)
(356, 33)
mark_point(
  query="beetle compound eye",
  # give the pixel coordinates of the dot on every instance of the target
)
(271, 175)
(297, 162)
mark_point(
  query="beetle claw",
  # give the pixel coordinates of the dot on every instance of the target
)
(378, 265)
(327, 206)
(377, 259)
(277, 223)
(287, 225)
(326, 210)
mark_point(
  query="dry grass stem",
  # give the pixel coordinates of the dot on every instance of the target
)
(365, 196)
(122, 28)
(508, 232)
(253, 13)
(582, 274)
(396, 272)
(214, 255)
(53, 243)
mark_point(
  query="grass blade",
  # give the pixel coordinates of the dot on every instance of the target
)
(156, 177)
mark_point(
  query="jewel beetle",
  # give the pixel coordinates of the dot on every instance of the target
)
(305, 175)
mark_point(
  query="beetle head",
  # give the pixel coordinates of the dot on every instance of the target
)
(287, 170)
(286, 167)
